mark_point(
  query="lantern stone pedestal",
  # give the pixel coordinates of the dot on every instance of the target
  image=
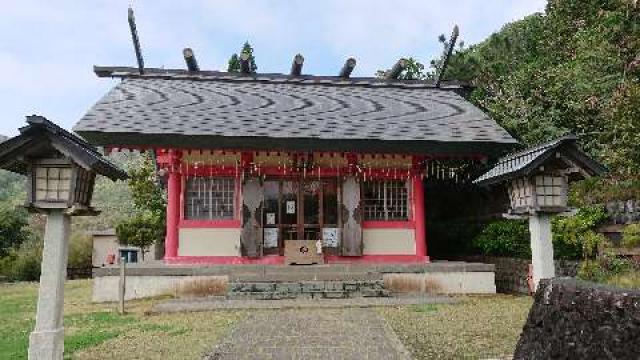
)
(47, 339)
(541, 247)
(61, 169)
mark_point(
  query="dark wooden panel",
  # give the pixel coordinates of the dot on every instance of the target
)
(251, 237)
(351, 218)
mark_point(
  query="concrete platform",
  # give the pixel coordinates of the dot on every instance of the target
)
(155, 279)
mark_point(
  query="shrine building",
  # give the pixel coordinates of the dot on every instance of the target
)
(253, 162)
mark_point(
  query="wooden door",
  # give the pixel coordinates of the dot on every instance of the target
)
(251, 236)
(351, 218)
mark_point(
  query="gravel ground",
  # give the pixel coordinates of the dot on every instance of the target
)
(483, 327)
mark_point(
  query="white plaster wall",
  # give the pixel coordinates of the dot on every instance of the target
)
(209, 242)
(103, 246)
(389, 242)
(105, 288)
(442, 282)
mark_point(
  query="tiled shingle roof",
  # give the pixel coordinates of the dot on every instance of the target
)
(521, 162)
(41, 131)
(285, 108)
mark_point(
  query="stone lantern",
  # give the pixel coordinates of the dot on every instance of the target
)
(537, 180)
(61, 169)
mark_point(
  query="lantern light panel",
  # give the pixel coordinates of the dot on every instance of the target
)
(546, 192)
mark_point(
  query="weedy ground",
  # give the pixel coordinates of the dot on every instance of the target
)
(474, 328)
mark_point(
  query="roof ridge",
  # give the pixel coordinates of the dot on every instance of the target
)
(541, 146)
(210, 75)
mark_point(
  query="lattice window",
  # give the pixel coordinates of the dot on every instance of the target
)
(385, 200)
(550, 191)
(208, 198)
(52, 184)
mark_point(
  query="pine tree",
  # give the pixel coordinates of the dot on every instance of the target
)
(234, 60)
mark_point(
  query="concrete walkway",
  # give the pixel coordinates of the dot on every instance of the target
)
(312, 333)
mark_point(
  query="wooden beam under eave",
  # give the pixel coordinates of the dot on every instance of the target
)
(396, 70)
(296, 65)
(347, 68)
(190, 59)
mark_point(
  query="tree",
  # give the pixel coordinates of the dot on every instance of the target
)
(573, 69)
(234, 60)
(13, 228)
(147, 226)
(414, 70)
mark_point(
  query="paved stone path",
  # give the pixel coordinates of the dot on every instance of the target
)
(314, 333)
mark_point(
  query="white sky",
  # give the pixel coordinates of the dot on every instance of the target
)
(48, 48)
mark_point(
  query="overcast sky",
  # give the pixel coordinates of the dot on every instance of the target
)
(48, 48)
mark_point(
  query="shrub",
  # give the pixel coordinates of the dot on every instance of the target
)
(13, 228)
(23, 264)
(505, 238)
(631, 236)
(574, 237)
(591, 270)
(80, 250)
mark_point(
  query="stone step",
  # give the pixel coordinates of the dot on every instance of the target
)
(270, 290)
(305, 276)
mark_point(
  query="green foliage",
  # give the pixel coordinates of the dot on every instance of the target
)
(573, 69)
(23, 264)
(143, 183)
(505, 238)
(575, 237)
(602, 190)
(414, 70)
(147, 225)
(12, 191)
(631, 236)
(13, 228)
(142, 230)
(604, 268)
(80, 250)
(234, 61)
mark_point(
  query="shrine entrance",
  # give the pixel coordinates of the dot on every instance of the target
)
(300, 209)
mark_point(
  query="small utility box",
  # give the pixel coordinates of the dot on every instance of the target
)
(61, 169)
(537, 180)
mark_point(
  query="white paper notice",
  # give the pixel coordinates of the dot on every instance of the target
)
(271, 218)
(270, 237)
(291, 207)
(330, 237)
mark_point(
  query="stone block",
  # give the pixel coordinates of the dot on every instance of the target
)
(580, 320)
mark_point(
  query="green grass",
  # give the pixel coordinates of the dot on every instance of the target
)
(96, 331)
(476, 328)
(627, 280)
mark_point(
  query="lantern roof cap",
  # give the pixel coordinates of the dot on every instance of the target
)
(41, 137)
(522, 163)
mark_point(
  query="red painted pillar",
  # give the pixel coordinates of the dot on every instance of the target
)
(174, 190)
(418, 216)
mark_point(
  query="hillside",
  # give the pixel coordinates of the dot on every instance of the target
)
(575, 68)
